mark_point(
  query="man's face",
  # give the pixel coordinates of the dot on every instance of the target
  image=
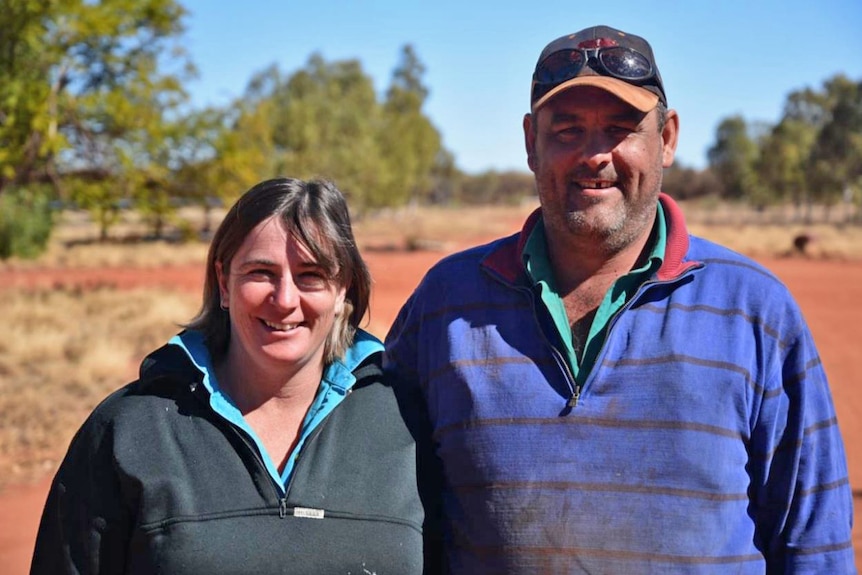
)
(598, 165)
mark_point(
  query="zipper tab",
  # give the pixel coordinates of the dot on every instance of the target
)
(576, 394)
(282, 507)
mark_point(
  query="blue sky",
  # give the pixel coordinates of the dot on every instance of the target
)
(717, 59)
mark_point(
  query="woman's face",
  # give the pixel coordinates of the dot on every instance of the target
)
(282, 304)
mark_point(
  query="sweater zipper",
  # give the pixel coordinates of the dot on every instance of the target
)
(574, 387)
(573, 384)
(643, 288)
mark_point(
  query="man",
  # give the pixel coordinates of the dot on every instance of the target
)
(606, 393)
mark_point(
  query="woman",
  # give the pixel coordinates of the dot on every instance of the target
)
(262, 438)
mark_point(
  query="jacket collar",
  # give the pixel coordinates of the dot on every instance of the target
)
(187, 357)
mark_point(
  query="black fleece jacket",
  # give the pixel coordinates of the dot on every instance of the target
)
(156, 482)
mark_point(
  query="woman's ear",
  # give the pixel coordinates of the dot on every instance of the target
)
(339, 301)
(224, 292)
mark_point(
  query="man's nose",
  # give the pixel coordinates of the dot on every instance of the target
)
(597, 149)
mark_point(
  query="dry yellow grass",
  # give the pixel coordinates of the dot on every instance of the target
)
(74, 245)
(438, 227)
(828, 242)
(61, 352)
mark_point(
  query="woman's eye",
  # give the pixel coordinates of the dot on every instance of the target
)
(313, 279)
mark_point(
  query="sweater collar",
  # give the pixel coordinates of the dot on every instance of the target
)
(506, 259)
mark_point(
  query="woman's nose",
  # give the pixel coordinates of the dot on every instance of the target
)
(285, 293)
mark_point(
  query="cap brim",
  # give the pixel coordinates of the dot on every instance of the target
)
(635, 96)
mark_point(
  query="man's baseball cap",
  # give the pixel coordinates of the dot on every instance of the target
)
(620, 63)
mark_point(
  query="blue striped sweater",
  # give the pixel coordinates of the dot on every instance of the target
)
(704, 440)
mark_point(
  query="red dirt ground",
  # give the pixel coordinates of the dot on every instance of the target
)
(828, 292)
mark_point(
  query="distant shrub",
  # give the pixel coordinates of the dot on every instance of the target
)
(26, 221)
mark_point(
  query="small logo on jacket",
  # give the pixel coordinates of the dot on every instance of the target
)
(308, 513)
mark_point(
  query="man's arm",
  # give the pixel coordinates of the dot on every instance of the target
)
(802, 501)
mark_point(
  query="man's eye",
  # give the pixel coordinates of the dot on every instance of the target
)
(619, 130)
(569, 132)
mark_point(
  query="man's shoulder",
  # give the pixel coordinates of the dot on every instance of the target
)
(739, 276)
(471, 259)
(717, 255)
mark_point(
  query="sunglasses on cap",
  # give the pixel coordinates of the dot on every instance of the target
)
(615, 61)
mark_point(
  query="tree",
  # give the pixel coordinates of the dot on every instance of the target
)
(84, 92)
(732, 158)
(325, 120)
(411, 144)
(74, 70)
(835, 163)
(783, 158)
(28, 97)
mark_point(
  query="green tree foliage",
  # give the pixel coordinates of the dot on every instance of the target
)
(25, 222)
(782, 162)
(210, 168)
(83, 97)
(28, 94)
(325, 120)
(410, 143)
(813, 155)
(732, 158)
(835, 163)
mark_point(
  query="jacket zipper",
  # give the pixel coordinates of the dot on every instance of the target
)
(282, 499)
(277, 489)
(311, 438)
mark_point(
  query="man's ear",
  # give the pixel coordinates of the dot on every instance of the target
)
(530, 141)
(670, 137)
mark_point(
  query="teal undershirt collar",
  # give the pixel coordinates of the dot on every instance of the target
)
(338, 379)
(538, 265)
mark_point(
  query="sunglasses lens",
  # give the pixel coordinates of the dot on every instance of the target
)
(560, 66)
(626, 64)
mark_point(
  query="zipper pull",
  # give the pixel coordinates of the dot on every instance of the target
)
(282, 508)
(576, 394)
